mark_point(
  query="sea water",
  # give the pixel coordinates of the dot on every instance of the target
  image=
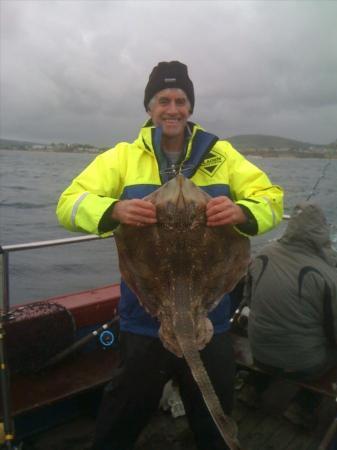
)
(31, 183)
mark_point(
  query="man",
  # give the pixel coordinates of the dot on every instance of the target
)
(292, 294)
(110, 192)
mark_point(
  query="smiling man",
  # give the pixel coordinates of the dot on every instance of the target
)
(170, 109)
(111, 191)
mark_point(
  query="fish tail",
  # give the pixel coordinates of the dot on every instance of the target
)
(185, 334)
(225, 424)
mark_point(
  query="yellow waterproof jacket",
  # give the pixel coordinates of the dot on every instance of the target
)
(133, 170)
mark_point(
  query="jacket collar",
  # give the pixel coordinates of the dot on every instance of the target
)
(149, 136)
(199, 143)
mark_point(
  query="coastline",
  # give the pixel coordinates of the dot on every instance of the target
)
(284, 154)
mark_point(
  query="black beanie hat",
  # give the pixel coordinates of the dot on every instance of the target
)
(169, 75)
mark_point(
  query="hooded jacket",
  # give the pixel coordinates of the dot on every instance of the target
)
(134, 170)
(293, 295)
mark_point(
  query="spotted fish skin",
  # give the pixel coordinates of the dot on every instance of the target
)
(180, 269)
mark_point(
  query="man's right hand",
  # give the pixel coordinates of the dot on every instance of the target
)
(135, 212)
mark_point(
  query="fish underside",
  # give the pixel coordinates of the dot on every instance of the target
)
(180, 269)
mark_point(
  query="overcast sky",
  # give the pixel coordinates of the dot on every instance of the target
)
(75, 71)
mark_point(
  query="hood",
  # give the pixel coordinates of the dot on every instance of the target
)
(308, 228)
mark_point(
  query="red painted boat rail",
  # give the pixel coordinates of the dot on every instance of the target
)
(5, 250)
(5, 307)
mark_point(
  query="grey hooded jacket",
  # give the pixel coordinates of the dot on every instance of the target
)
(292, 294)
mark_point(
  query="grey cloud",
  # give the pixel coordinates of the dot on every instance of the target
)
(76, 71)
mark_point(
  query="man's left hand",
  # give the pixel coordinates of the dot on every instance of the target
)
(222, 211)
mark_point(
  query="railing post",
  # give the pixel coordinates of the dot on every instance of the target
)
(5, 282)
(8, 422)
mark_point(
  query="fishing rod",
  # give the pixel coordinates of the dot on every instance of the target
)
(314, 189)
(106, 338)
(8, 424)
(8, 427)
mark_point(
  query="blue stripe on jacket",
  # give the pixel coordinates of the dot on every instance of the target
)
(142, 190)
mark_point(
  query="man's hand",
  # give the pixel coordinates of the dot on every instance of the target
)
(222, 211)
(134, 212)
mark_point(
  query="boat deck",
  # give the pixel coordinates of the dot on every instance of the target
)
(261, 424)
(80, 372)
(259, 430)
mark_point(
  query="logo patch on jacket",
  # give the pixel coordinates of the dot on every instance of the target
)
(212, 163)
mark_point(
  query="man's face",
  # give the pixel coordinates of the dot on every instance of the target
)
(170, 109)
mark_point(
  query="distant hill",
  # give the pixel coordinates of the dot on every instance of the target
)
(12, 143)
(239, 141)
(243, 141)
(246, 143)
(333, 144)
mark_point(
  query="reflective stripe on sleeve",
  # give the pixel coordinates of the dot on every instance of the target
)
(267, 199)
(75, 207)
